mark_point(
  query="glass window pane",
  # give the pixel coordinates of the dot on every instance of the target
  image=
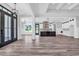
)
(7, 28)
(0, 7)
(0, 27)
(14, 28)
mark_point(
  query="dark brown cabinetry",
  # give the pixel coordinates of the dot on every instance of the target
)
(47, 33)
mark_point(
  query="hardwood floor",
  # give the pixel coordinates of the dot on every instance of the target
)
(43, 46)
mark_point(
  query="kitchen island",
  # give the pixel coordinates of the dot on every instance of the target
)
(47, 33)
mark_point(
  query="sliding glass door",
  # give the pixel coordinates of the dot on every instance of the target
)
(15, 28)
(0, 27)
(7, 27)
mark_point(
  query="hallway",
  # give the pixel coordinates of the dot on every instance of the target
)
(53, 46)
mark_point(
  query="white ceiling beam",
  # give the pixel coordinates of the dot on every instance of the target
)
(34, 8)
(72, 6)
(31, 10)
(47, 7)
(62, 10)
(53, 3)
(59, 6)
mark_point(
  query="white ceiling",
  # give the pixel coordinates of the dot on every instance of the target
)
(38, 9)
(24, 9)
(44, 8)
(47, 9)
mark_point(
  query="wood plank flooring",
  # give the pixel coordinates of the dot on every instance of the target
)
(43, 46)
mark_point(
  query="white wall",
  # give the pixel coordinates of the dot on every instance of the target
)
(19, 27)
(58, 28)
(76, 34)
(69, 28)
(24, 21)
(66, 29)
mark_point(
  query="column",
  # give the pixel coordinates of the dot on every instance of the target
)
(76, 26)
(19, 27)
(33, 31)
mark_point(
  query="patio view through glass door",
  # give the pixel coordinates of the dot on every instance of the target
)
(7, 28)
